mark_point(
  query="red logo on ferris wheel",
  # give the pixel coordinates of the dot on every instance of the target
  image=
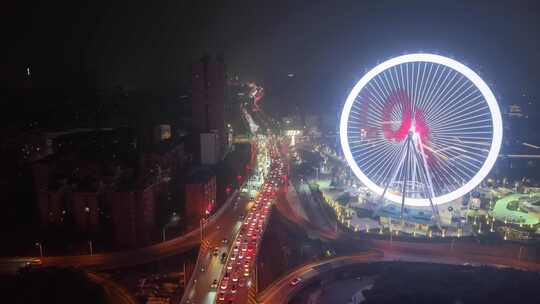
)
(400, 100)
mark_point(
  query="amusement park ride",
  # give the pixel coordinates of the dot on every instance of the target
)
(421, 130)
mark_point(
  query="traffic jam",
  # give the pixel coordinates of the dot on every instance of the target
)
(242, 255)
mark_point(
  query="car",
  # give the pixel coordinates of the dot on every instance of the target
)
(221, 296)
(223, 257)
(33, 262)
(224, 284)
(295, 281)
(214, 284)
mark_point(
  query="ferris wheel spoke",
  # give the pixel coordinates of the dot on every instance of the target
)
(462, 164)
(460, 131)
(446, 177)
(443, 91)
(390, 81)
(457, 171)
(366, 147)
(447, 101)
(367, 103)
(440, 179)
(463, 122)
(389, 158)
(382, 89)
(421, 88)
(456, 145)
(435, 104)
(460, 155)
(375, 108)
(427, 88)
(372, 150)
(437, 89)
(377, 144)
(450, 104)
(462, 113)
(391, 175)
(378, 99)
(462, 127)
(400, 95)
(378, 169)
(395, 78)
(462, 152)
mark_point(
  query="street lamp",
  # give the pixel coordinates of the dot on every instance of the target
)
(520, 252)
(38, 244)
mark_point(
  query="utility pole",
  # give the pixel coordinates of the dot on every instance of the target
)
(201, 228)
(91, 247)
(38, 244)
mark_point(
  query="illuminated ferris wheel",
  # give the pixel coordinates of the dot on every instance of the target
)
(421, 130)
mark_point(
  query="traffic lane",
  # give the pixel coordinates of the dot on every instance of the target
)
(201, 289)
(444, 253)
(202, 292)
(248, 243)
(282, 289)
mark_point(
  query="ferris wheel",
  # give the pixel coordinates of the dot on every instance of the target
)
(421, 130)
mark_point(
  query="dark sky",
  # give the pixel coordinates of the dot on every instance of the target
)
(327, 44)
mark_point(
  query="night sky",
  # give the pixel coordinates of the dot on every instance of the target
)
(326, 44)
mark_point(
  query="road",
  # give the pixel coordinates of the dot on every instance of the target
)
(226, 214)
(115, 293)
(282, 289)
(199, 288)
(234, 275)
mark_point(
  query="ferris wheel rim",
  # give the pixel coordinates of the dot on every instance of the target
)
(472, 76)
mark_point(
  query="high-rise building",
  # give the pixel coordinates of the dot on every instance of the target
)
(209, 148)
(200, 197)
(208, 84)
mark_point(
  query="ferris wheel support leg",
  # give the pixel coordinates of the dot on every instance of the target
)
(426, 177)
(393, 176)
(403, 187)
